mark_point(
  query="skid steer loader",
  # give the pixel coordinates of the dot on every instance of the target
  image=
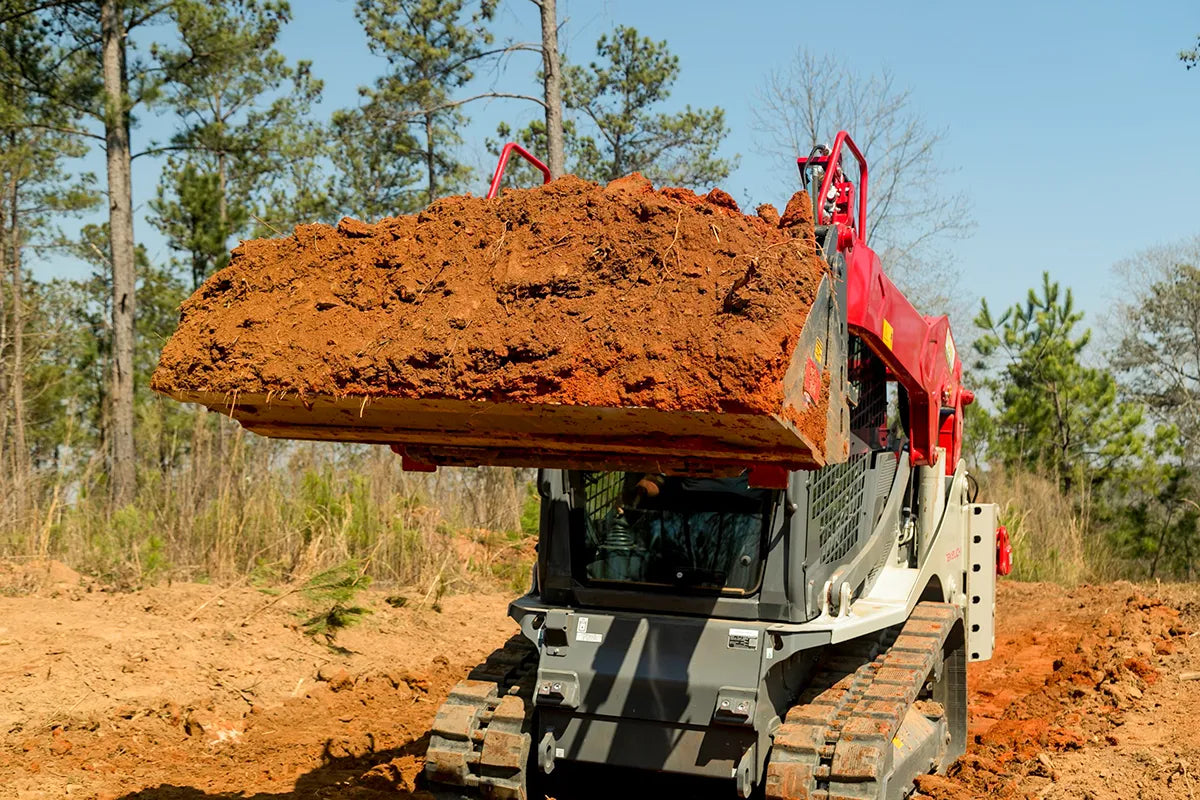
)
(806, 631)
(781, 598)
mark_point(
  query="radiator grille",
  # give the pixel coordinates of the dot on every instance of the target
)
(885, 467)
(836, 499)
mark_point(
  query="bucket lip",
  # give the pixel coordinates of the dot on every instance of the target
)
(455, 432)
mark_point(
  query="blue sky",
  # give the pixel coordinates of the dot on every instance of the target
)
(1071, 126)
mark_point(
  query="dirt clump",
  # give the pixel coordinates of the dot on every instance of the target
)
(569, 293)
(45, 576)
(1084, 689)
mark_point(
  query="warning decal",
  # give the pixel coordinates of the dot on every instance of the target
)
(743, 639)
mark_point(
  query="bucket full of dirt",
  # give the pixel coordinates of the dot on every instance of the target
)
(573, 324)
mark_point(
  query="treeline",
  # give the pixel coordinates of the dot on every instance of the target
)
(117, 481)
(122, 482)
(1092, 446)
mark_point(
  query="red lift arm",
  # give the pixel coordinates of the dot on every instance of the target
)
(919, 351)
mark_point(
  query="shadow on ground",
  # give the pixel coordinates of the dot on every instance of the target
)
(374, 777)
(382, 774)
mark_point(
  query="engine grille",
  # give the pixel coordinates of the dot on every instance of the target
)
(835, 502)
(886, 469)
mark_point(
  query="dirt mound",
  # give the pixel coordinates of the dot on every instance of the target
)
(40, 575)
(570, 293)
(1087, 694)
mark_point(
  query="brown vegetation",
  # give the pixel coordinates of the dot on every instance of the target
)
(242, 508)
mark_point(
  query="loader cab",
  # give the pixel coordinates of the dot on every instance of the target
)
(669, 533)
(716, 546)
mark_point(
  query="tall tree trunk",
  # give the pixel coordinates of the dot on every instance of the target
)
(552, 82)
(222, 203)
(21, 463)
(123, 471)
(1162, 538)
(3, 334)
(429, 160)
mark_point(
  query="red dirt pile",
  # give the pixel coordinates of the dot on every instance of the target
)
(1085, 697)
(569, 293)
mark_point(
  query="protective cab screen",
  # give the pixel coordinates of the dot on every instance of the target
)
(695, 533)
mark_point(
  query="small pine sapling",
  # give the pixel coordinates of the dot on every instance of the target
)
(332, 592)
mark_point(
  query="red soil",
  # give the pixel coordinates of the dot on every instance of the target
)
(567, 293)
(1070, 671)
(193, 692)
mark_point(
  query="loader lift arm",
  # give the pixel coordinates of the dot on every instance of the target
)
(919, 351)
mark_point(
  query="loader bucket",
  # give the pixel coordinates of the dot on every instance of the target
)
(807, 431)
(572, 325)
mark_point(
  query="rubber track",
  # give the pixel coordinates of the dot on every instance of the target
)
(480, 739)
(836, 742)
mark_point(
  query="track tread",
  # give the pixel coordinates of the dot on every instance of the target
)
(480, 740)
(836, 742)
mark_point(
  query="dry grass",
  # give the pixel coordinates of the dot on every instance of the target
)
(238, 507)
(226, 506)
(1053, 535)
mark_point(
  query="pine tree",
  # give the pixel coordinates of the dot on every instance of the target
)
(431, 47)
(617, 96)
(378, 174)
(612, 126)
(89, 351)
(552, 89)
(1191, 58)
(1054, 414)
(243, 116)
(93, 71)
(35, 188)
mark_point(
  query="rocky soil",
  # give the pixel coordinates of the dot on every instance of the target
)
(193, 692)
(570, 293)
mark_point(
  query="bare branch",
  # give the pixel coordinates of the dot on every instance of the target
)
(408, 116)
(150, 14)
(909, 211)
(173, 148)
(66, 131)
(24, 12)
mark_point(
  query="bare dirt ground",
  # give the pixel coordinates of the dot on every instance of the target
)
(192, 692)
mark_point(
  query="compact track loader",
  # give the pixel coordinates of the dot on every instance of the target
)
(802, 630)
(780, 596)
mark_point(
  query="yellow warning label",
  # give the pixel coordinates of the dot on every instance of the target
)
(887, 334)
(819, 352)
